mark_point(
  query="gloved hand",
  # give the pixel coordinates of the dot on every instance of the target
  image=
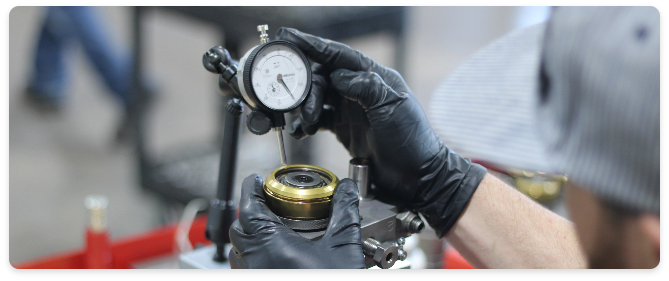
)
(260, 240)
(375, 116)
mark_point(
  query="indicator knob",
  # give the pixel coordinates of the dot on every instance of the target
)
(258, 123)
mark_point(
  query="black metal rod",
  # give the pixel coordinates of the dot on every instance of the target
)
(138, 99)
(222, 212)
(228, 166)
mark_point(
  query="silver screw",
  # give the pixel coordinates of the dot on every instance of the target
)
(402, 254)
(401, 241)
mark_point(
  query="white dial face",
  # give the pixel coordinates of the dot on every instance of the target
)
(279, 77)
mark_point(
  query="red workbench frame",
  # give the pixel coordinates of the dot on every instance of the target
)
(128, 250)
(160, 242)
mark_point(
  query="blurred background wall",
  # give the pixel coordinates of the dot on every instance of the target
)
(56, 160)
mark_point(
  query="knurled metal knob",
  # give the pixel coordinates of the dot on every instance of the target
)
(234, 106)
(258, 123)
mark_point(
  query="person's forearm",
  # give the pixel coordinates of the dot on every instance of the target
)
(502, 228)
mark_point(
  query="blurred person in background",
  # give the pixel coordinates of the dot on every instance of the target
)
(597, 108)
(61, 28)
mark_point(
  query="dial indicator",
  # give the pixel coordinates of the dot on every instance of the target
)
(274, 76)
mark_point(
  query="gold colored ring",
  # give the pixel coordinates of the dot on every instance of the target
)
(300, 203)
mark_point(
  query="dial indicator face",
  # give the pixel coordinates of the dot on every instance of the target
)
(279, 77)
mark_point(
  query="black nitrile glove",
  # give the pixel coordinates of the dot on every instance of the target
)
(374, 115)
(260, 240)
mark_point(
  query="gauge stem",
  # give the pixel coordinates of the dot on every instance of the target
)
(282, 146)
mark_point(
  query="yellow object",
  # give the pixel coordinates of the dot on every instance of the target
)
(538, 185)
(300, 191)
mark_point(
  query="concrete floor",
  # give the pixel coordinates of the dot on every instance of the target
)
(55, 161)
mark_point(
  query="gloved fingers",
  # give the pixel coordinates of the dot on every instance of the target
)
(254, 215)
(345, 219)
(295, 130)
(342, 236)
(366, 88)
(331, 54)
(235, 256)
(236, 262)
(300, 129)
(249, 249)
(310, 111)
(263, 249)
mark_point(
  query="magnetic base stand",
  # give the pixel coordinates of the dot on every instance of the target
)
(200, 258)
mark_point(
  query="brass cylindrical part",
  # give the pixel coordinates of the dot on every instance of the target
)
(300, 191)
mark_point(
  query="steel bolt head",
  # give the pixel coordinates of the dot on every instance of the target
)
(386, 255)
